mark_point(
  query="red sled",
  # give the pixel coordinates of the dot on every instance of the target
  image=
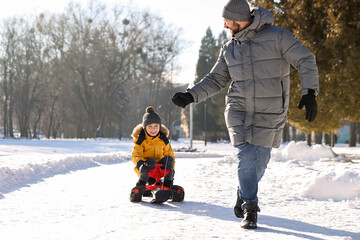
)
(157, 173)
(157, 190)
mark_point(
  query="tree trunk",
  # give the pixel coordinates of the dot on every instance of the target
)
(332, 144)
(10, 115)
(37, 122)
(51, 118)
(327, 139)
(5, 118)
(352, 140)
(318, 138)
(308, 139)
(5, 105)
(293, 135)
(286, 132)
(301, 137)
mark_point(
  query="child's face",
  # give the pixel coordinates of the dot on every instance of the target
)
(153, 129)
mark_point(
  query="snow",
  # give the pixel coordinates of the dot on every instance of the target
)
(79, 189)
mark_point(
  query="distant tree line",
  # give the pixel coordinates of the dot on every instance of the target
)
(87, 72)
(331, 30)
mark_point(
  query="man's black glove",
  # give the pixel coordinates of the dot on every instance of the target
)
(142, 166)
(182, 99)
(310, 105)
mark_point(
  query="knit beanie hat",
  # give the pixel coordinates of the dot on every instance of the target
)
(237, 10)
(150, 117)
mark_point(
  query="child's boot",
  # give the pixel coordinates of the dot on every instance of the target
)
(168, 183)
(137, 191)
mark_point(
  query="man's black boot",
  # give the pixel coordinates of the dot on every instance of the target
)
(250, 216)
(239, 212)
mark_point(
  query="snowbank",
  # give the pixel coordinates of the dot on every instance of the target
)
(324, 176)
(301, 151)
(13, 178)
(336, 186)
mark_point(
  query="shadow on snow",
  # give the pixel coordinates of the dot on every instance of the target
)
(227, 214)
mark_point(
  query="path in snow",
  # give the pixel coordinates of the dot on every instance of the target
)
(94, 204)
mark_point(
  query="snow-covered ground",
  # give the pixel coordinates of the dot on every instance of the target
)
(79, 189)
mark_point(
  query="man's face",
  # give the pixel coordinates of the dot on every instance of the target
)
(234, 27)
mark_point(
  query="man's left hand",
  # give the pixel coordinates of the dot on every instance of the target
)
(310, 105)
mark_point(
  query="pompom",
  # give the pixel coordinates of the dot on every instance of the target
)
(150, 109)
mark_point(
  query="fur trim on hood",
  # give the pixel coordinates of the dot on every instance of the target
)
(138, 128)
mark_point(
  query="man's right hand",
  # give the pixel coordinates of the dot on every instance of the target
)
(182, 99)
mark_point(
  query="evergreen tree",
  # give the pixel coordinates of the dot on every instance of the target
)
(208, 115)
(330, 29)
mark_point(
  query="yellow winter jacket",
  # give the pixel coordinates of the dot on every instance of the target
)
(150, 147)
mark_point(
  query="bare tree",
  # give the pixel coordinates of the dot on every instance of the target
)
(86, 72)
(9, 46)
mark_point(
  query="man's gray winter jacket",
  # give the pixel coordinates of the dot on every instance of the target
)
(257, 62)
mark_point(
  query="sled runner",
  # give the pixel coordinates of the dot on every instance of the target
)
(157, 190)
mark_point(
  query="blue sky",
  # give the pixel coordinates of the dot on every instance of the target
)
(192, 16)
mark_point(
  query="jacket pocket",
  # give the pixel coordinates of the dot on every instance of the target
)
(233, 116)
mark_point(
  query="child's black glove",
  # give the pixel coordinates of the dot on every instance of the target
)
(142, 166)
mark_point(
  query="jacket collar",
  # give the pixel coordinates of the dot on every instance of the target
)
(137, 130)
(261, 18)
(151, 137)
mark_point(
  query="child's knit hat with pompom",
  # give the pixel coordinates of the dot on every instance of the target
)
(150, 117)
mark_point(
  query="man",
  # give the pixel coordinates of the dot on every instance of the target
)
(257, 63)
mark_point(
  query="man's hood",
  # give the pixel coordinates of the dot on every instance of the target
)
(261, 18)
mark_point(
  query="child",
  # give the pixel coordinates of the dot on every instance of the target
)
(151, 146)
